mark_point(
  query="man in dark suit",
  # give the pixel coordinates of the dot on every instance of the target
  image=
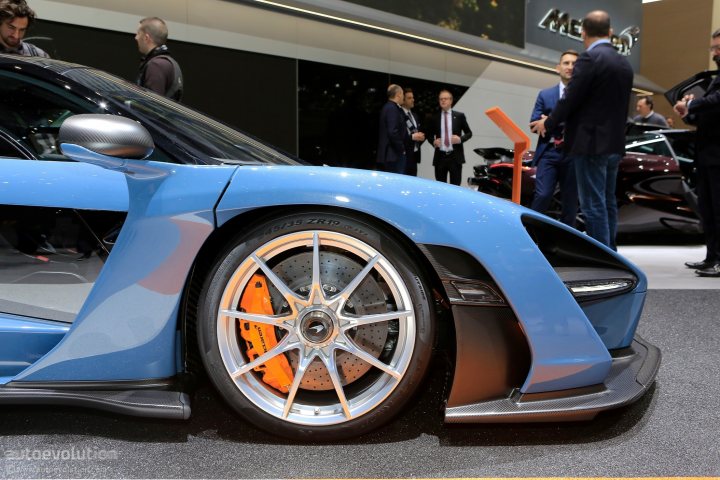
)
(416, 135)
(393, 134)
(449, 131)
(704, 112)
(553, 166)
(594, 109)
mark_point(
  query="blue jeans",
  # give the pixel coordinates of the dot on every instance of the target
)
(554, 168)
(597, 177)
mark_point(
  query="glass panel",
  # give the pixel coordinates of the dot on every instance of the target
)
(50, 258)
(9, 147)
(339, 110)
(203, 136)
(648, 144)
(338, 114)
(32, 112)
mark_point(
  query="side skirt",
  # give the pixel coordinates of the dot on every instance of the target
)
(143, 399)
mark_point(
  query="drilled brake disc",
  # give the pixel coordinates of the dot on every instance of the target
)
(336, 271)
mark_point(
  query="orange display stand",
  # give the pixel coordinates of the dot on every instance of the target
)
(521, 141)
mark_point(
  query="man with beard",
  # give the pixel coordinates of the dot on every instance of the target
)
(704, 112)
(159, 72)
(594, 110)
(15, 19)
(553, 166)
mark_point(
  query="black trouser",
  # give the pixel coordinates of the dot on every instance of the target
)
(412, 163)
(448, 163)
(708, 190)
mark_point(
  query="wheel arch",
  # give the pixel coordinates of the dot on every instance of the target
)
(222, 237)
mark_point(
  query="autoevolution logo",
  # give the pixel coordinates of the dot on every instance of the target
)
(561, 23)
(59, 454)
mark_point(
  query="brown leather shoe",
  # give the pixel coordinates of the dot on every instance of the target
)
(713, 271)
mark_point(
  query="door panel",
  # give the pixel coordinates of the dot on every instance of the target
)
(58, 218)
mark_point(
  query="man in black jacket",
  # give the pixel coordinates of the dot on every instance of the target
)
(594, 110)
(416, 136)
(450, 130)
(392, 134)
(704, 112)
(159, 71)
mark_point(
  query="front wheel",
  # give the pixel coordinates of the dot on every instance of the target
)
(316, 326)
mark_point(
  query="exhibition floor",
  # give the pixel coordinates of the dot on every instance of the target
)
(665, 266)
(670, 432)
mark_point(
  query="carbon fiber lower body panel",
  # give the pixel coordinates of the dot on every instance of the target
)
(631, 375)
(140, 403)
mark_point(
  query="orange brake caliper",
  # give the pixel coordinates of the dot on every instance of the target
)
(261, 337)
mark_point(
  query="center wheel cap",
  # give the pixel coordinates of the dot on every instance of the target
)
(316, 327)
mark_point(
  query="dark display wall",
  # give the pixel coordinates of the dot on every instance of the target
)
(499, 20)
(339, 111)
(324, 113)
(253, 92)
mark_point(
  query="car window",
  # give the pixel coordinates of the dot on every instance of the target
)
(31, 111)
(648, 144)
(684, 145)
(196, 132)
(9, 147)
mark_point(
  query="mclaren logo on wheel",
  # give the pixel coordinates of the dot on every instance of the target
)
(556, 21)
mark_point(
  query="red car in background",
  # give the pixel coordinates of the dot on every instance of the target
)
(655, 187)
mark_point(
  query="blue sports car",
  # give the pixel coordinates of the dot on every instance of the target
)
(142, 244)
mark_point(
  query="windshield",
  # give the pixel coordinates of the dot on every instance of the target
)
(648, 143)
(200, 134)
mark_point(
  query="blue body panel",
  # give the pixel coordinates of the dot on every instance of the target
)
(24, 341)
(126, 328)
(62, 184)
(616, 318)
(566, 350)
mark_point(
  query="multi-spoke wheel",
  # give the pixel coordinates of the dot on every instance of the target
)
(317, 325)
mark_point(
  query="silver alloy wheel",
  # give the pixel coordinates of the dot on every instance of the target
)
(319, 321)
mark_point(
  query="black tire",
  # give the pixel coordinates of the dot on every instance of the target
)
(353, 377)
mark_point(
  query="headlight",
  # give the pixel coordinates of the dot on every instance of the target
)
(599, 288)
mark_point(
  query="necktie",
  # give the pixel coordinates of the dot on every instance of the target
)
(447, 132)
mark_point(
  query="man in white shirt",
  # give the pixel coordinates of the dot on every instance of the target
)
(450, 130)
